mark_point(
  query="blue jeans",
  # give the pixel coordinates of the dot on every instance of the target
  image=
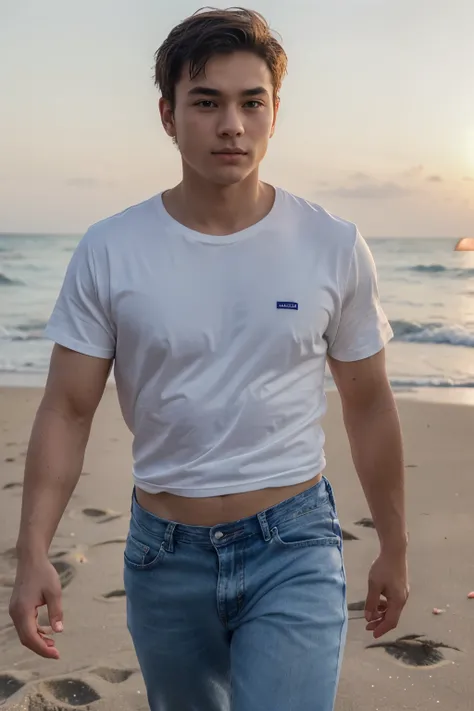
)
(242, 616)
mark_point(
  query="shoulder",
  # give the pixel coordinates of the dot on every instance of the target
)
(332, 230)
(121, 226)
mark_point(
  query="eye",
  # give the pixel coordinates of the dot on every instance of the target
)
(256, 104)
(205, 104)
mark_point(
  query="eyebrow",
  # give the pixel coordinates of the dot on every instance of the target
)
(207, 91)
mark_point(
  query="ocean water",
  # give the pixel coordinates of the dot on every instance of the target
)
(426, 288)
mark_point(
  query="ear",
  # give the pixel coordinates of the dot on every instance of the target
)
(276, 108)
(167, 117)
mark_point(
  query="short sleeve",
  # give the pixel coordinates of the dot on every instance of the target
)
(81, 317)
(360, 327)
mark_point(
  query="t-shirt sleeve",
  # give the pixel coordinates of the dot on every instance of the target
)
(81, 318)
(360, 327)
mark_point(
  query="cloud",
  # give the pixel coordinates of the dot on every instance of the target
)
(434, 179)
(371, 191)
(88, 183)
(414, 172)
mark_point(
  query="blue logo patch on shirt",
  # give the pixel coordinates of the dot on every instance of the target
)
(287, 305)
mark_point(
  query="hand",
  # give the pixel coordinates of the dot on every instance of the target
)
(388, 592)
(37, 583)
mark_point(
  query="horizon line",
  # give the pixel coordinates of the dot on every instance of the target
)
(80, 234)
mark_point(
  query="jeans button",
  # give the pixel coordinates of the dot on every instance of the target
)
(218, 535)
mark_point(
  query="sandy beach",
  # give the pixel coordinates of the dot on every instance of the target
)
(98, 668)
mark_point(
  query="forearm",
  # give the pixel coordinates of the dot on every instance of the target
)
(53, 467)
(377, 451)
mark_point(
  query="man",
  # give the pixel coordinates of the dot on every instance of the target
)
(218, 302)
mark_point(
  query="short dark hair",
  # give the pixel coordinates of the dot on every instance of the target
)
(209, 32)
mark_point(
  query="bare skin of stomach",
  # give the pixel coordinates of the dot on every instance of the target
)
(213, 510)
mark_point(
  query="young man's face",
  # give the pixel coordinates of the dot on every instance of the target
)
(224, 119)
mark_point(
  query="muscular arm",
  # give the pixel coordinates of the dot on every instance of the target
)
(57, 445)
(373, 428)
(54, 461)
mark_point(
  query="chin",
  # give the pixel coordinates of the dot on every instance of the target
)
(227, 177)
(223, 175)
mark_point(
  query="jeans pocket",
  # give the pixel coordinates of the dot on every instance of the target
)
(315, 528)
(139, 555)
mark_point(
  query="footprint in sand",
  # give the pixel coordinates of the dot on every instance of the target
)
(348, 536)
(13, 485)
(122, 539)
(65, 571)
(415, 651)
(101, 515)
(113, 676)
(113, 594)
(356, 606)
(365, 522)
(94, 513)
(9, 685)
(71, 691)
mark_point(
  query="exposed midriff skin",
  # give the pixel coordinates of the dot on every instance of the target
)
(210, 511)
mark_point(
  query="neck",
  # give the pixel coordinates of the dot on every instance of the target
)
(217, 209)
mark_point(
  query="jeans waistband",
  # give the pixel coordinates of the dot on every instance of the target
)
(223, 533)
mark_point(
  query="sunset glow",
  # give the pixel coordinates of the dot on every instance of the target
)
(465, 244)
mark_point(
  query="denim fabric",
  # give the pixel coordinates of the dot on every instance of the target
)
(243, 616)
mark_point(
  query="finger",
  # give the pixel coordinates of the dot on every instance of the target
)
(379, 615)
(371, 626)
(45, 630)
(372, 601)
(390, 620)
(25, 623)
(49, 642)
(55, 610)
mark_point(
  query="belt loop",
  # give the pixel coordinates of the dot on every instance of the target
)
(262, 519)
(168, 540)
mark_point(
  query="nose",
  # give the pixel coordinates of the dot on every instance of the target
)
(230, 124)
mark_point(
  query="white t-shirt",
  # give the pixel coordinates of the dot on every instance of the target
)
(220, 343)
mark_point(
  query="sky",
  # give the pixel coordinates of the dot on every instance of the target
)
(376, 123)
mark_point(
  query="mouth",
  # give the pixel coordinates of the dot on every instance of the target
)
(230, 152)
